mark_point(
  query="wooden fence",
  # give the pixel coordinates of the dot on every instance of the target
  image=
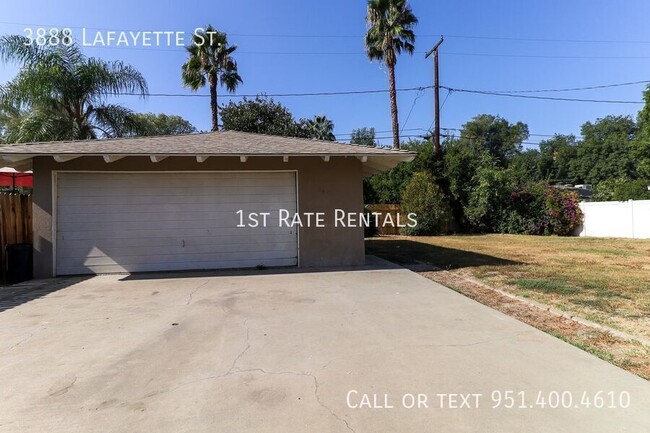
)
(15, 223)
(383, 209)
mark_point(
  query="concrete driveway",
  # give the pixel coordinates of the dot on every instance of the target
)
(297, 352)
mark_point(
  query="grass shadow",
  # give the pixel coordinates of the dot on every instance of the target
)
(406, 252)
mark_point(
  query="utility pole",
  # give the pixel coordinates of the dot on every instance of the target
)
(436, 96)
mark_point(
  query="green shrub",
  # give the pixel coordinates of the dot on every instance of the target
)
(423, 197)
(489, 199)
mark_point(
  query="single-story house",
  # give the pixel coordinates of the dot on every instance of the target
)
(195, 201)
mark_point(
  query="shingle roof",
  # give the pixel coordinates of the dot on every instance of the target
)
(204, 145)
(210, 143)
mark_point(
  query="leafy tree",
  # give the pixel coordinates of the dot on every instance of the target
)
(10, 120)
(261, 116)
(527, 165)
(423, 197)
(641, 144)
(604, 152)
(59, 94)
(390, 31)
(320, 128)
(150, 124)
(622, 189)
(485, 141)
(488, 200)
(363, 136)
(461, 163)
(389, 186)
(556, 155)
(210, 61)
(499, 137)
(265, 116)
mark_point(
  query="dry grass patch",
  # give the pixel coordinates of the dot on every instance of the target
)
(606, 281)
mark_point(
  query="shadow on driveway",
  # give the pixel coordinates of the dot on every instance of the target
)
(18, 294)
(407, 252)
(372, 264)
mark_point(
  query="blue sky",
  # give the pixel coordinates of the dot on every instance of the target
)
(309, 46)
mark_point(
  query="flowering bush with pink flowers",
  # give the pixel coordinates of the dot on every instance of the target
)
(562, 209)
(538, 209)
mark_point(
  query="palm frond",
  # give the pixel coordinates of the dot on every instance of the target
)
(113, 120)
(100, 78)
(390, 30)
(210, 54)
(16, 48)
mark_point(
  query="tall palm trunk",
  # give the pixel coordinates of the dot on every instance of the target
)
(393, 106)
(213, 101)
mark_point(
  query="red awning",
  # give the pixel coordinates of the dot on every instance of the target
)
(12, 178)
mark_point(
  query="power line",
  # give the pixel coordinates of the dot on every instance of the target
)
(273, 95)
(362, 53)
(512, 93)
(531, 143)
(596, 41)
(534, 135)
(415, 100)
(384, 132)
(548, 98)
(573, 89)
(545, 56)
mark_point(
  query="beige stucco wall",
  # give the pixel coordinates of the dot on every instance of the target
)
(322, 187)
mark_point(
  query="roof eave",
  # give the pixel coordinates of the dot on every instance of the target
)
(372, 162)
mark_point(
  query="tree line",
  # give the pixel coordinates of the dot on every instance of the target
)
(485, 181)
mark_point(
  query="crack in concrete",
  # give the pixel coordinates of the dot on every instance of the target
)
(191, 295)
(64, 389)
(316, 388)
(233, 370)
(248, 346)
(28, 337)
(292, 373)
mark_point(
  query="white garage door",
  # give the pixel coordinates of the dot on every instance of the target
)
(139, 222)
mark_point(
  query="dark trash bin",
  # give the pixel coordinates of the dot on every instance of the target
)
(19, 263)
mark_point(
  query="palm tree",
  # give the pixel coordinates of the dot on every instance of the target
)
(59, 94)
(321, 128)
(390, 32)
(210, 60)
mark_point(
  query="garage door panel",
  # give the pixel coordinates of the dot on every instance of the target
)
(131, 260)
(199, 259)
(104, 202)
(136, 222)
(81, 246)
(87, 251)
(175, 185)
(179, 179)
(101, 234)
(172, 192)
(178, 224)
(179, 266)
(227, 213)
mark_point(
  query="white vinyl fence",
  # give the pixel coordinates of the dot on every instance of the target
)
(616, 219)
